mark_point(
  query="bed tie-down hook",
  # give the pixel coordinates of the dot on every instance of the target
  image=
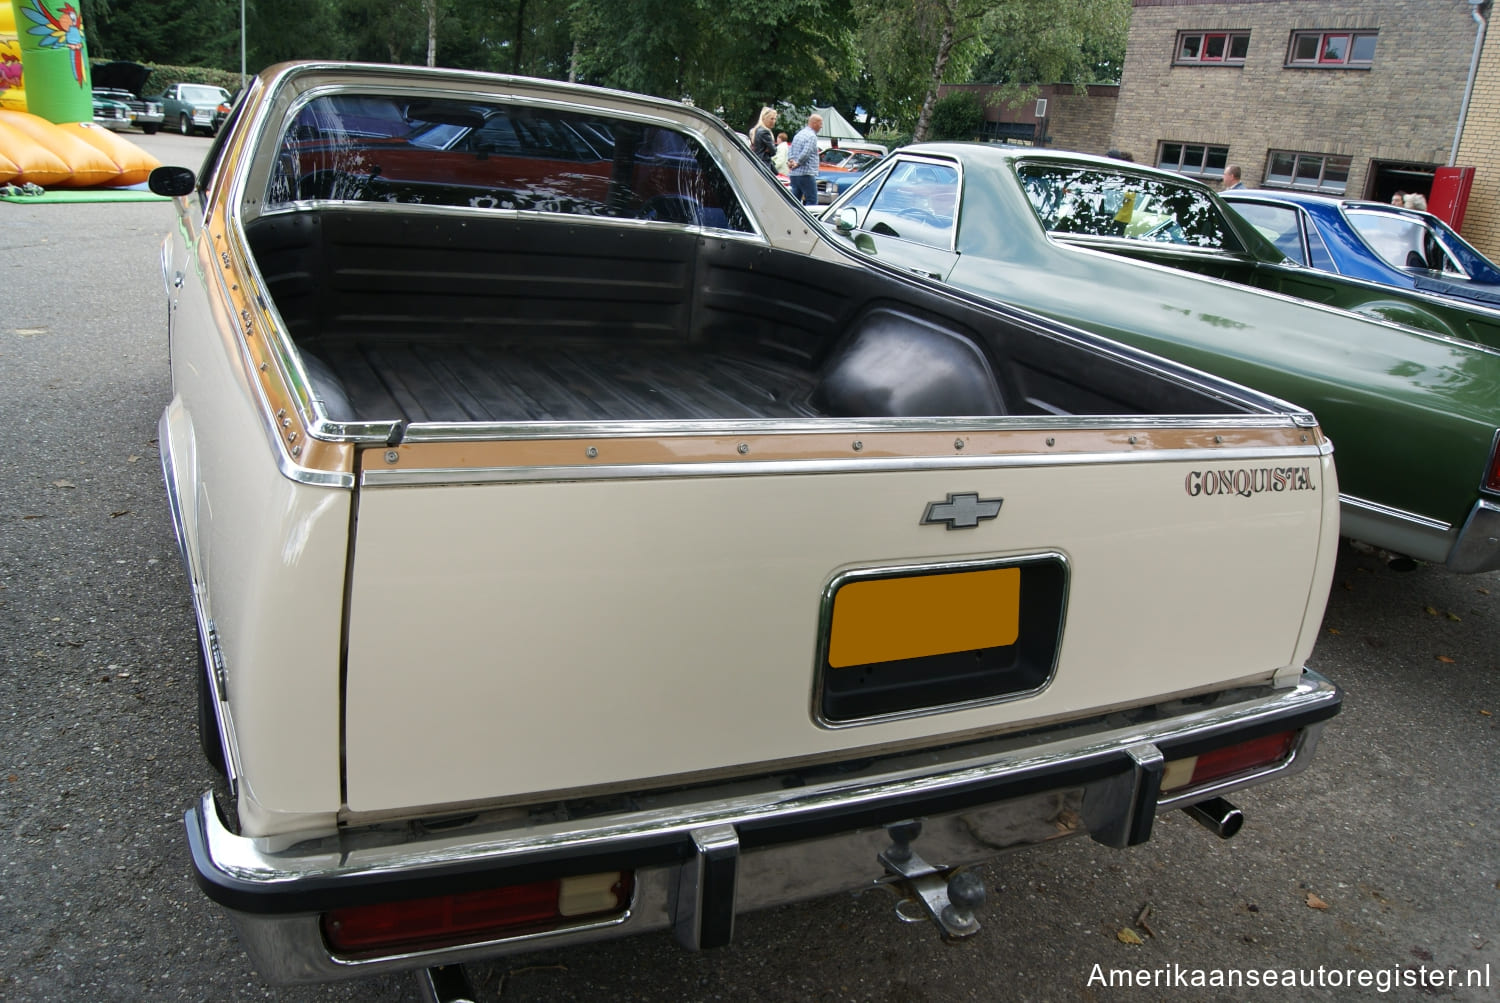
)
(948, 896)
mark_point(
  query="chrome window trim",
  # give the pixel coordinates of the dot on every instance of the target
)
(825, 624)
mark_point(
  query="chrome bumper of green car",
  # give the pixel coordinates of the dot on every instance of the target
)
(1478, 545)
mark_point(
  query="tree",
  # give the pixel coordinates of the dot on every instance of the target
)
(279, 30)
(729, 58)
(177, 32)
(914, 46)
(957, 116)
(1081, 42)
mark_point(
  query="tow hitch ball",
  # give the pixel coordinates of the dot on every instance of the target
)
(948, 896)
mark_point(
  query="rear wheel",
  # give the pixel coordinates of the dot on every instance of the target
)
(184, 126)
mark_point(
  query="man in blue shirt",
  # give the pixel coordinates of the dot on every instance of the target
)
(802, 161)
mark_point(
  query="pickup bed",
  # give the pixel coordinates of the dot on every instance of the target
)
(567, 566)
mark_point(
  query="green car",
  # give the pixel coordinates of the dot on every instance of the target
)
(1156, 260)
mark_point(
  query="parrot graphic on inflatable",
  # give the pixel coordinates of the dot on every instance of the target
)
(63, 30)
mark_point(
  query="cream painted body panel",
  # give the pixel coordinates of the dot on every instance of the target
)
(549, 636)
(267, 558)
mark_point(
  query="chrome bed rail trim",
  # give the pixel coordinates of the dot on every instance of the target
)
(745, 468)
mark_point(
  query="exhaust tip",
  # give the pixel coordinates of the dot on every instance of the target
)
(1217, 816)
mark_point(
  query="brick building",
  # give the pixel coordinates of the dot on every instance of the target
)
(1326, 95)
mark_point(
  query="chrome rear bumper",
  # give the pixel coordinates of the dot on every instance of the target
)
(1478, 546)
(701, 855)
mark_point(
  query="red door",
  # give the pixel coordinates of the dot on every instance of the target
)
(1450, 194)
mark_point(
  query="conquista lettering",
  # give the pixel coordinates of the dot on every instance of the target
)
(1246, 482)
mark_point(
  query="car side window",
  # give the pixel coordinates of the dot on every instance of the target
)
(1278, 224)
(1318, 250)
(917, 203)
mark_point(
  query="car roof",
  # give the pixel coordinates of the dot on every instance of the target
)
(997, 154)
(1312, 200)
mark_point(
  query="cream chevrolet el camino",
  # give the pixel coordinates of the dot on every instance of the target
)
(582, 545)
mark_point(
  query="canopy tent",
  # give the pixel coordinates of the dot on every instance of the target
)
(836, 126)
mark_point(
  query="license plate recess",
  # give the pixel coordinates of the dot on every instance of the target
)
(901, 641)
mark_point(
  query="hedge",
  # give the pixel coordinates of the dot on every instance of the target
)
(164, 76)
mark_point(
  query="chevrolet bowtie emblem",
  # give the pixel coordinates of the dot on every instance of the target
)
(962, 511)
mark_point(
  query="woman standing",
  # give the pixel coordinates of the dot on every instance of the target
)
(762, 138)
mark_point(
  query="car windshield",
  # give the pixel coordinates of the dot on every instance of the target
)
(1093, 202)
(204, 94)
(499, 155)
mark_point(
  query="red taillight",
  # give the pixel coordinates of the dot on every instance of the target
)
(470, 917)
(1243, 757)
(1492, 482)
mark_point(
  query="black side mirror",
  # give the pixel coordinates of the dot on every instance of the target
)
(172, 181)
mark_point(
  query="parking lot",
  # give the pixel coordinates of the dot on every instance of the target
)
(1382, 858)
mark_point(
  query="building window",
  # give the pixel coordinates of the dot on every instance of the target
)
(1313, 172)
(1197, 159)
(1212, 48)
(1331, 48)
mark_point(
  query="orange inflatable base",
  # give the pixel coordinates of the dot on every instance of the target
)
(76, 155)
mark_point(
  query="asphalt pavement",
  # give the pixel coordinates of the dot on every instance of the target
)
(1382, 858)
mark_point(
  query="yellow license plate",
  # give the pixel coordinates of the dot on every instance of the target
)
(888, 619)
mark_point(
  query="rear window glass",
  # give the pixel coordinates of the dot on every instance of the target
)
(1103, 203)
(374, 148)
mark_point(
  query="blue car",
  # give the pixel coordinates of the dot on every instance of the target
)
(1373, 241)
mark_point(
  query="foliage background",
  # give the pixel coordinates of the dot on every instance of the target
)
(886, 57)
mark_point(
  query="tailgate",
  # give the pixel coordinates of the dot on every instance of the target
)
(519, 627)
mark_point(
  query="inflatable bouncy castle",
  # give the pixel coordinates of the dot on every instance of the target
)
(47, 131)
